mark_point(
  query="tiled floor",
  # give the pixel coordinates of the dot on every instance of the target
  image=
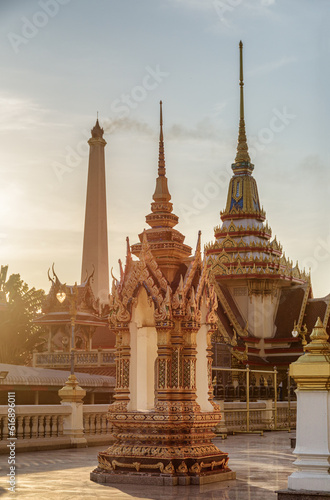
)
(262, 465)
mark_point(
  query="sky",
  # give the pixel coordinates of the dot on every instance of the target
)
(62, 61)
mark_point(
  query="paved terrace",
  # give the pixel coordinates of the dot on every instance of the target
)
(262, 465)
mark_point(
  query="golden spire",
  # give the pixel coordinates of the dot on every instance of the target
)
(161, 192)
(161, 157)
(242, 155)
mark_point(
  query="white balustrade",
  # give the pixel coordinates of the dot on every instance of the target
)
(82, 358)
(42, 425)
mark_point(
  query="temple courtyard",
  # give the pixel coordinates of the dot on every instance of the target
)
(262, 465)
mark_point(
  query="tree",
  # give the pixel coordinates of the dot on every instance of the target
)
(18, 334)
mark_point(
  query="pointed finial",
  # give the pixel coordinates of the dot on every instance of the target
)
(161, 193)
(128, 250)
(161, 157)
(198, 246)
(161, 121)
(97, 131)
(241, 80)
(121, 271)
(242, 155)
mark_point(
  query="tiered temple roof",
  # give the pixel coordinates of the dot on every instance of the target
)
(243, 245)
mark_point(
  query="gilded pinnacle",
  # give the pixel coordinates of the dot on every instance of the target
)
(242, 155)
(161, 193)
(161, 157)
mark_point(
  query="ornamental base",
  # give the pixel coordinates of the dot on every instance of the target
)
(172, 447)
(159, 480)
(162, 465)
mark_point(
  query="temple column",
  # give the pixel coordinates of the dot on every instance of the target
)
(123, 355)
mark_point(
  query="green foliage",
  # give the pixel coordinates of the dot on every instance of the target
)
(18, 335)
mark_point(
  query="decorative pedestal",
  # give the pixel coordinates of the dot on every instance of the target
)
(312, 374)
(169, 446)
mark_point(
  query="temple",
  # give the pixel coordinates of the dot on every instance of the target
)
(162, 311)
(262, 296)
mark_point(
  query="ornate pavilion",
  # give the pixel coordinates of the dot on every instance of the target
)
(94, 344)
(163, 314)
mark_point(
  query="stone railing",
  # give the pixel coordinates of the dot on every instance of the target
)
(81, 358)
(262, 416)
(96, 424)
(40, 427)
(43, 427)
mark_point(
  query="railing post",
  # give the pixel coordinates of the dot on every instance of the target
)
(86, 423)
(5, 428)
(247, 398)
(71, 395)
(27, 427)
(19, 427)
(47, 426)
(275, 399)
(60, 425)
(289, 400)
(34, 430)
(103, 424)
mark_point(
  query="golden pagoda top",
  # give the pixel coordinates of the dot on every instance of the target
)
(243, 199)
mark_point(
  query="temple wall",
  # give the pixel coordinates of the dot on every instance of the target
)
(261, 315)
(241, 298)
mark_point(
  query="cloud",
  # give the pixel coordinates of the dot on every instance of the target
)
(203, 5)
(112, 126)
(272, 66)
(204, 130)
(207, 5)
(315, 164)
(20, 114)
